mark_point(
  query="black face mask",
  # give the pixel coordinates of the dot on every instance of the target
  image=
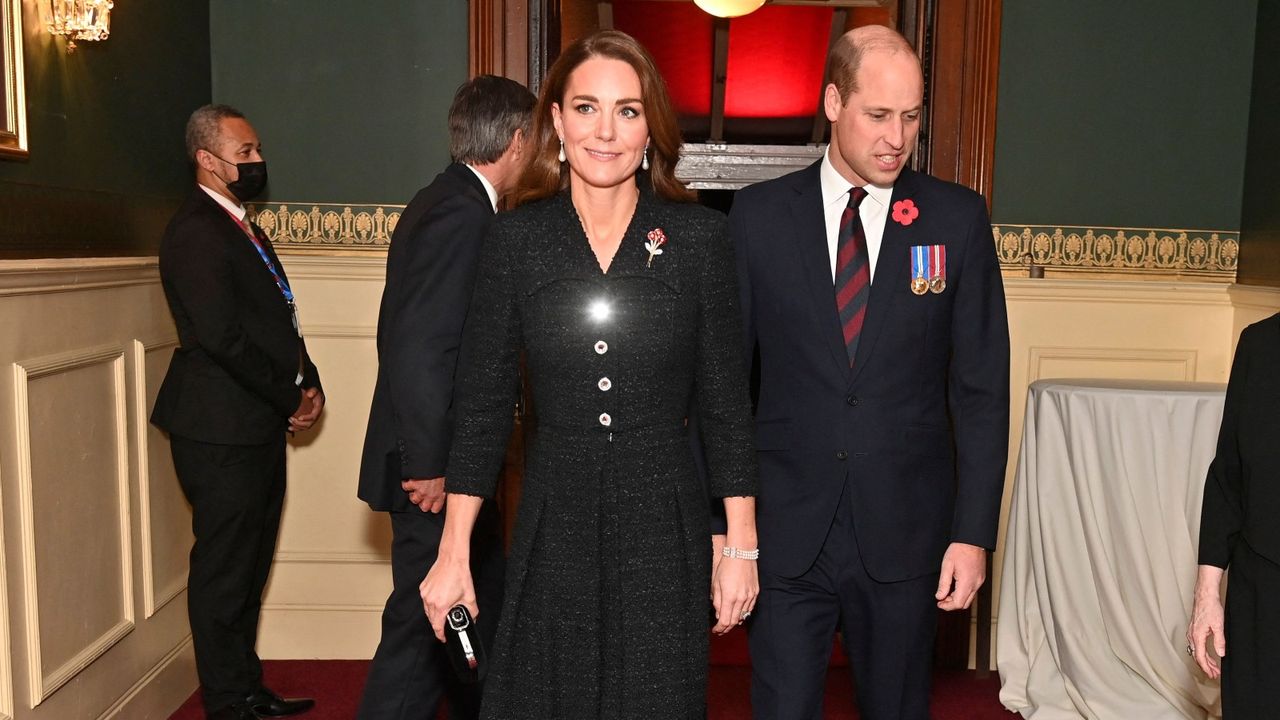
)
(251, 182)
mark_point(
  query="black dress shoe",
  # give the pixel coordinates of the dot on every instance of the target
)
(268, 704)
(239, 711)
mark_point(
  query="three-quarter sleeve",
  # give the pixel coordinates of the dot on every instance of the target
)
(488, 371)
(722, 393)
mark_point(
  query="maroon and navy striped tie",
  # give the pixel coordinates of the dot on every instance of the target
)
(853, 273)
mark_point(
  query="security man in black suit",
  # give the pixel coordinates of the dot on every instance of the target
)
(431, 269)
(238, 381)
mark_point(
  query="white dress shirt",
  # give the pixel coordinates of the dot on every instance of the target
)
(873, 212)
(237, 211)
(488, 187)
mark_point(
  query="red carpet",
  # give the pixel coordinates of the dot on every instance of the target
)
(336, 686)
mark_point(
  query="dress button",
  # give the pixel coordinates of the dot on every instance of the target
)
(602, 347)
(605, 420)
(852, 400)
(604, 384)
(842, 455)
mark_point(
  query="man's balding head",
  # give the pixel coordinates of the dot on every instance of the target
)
(846, 55)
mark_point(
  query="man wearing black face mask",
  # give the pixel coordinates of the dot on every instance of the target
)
(238, 381)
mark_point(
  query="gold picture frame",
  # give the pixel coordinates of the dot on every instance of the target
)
(13, 100)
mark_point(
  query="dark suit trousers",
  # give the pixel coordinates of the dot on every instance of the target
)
(1251, 667)
(236, 493)
(410, 671)
(887, 629)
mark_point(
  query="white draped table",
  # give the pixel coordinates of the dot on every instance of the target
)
(1100, 553)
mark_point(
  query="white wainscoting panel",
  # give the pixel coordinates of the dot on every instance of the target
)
(85, 635)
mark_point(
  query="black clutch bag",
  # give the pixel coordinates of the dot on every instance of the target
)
(463, 645)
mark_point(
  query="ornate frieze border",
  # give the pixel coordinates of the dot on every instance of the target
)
(1144, 251)
(327, 226)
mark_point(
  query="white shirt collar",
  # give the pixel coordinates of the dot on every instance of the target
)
(237, 211)
(836, 189)
(488, 187)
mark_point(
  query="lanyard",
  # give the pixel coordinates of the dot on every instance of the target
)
(266, 259)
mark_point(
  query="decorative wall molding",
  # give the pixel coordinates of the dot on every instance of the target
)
(153, 597)
(1202, 254)
(327, 226)
(1083, 292)
(6, 645)
(1164, 364)
(42, 683)
(341, 268)
(1208, 255)
(342, 332)
(1255, 296)
(177, 661)
(324, 557)
(35, 277)
(729, 166)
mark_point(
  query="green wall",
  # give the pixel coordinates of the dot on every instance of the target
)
(105, 130)
(1260, 222)
(349, 98)
(1124, 114)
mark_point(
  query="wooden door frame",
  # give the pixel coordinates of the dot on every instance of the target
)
(960, 47)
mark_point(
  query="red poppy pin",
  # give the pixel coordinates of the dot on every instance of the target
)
(657, 239)
(905, 212)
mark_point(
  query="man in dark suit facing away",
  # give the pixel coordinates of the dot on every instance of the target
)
(431, 269)
(874, 297)
(238, 381)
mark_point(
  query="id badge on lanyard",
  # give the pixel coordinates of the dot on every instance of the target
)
(293, 317)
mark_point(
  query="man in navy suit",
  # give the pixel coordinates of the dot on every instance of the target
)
(873, 303)
(431, 269)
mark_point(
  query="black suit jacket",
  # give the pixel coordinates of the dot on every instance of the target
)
(1241, 492)
(233, 379)
(920, 425)
(431, 269)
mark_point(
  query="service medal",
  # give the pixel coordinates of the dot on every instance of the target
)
(919, 269)
(928, 269)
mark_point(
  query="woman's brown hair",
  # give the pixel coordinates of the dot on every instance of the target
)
(543, 175)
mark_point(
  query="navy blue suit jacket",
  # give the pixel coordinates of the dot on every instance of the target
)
(919, 425)
(431, 271)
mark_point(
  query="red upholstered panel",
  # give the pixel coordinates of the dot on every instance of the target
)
(678, 35)
(776, 57)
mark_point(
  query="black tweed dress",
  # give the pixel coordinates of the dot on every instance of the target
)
(606, 606)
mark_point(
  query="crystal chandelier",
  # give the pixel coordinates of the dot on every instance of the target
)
(77, 19)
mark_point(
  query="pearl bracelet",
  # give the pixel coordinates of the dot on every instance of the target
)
(733, 552)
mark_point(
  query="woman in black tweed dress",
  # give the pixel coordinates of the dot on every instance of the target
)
(622, 295)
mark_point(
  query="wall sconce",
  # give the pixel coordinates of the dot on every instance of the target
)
(729, 8)
(77, 19)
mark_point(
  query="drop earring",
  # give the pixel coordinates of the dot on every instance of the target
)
(644, 158)
(561, 155)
